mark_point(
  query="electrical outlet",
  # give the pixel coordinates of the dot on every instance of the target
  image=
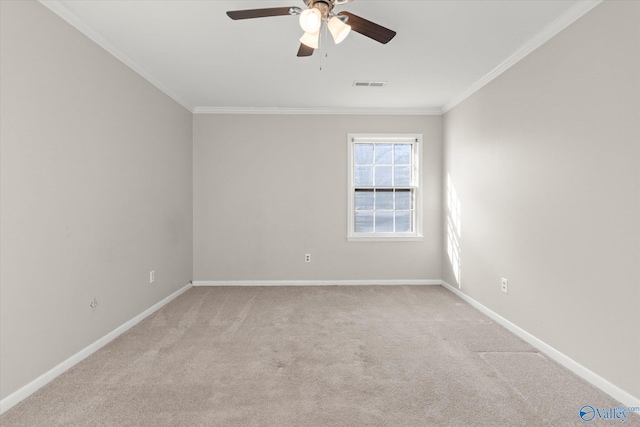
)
(307, 257)
(152, 276)
(505, 285)
(93, 304)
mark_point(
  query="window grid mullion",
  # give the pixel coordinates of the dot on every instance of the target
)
(375, 190)
(375, 194)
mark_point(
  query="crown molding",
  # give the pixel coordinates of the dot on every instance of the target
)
(59, 9)
(320, 111)
(559, 24)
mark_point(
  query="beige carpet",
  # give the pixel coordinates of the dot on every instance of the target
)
(315, 356)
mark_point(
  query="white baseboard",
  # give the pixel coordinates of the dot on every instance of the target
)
(590, 376)
(30, 388)
(313, 282)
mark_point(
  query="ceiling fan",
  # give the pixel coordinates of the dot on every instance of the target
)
(312, 19)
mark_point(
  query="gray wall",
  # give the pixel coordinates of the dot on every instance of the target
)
(268, 189)
(96, 191)
(545, 161)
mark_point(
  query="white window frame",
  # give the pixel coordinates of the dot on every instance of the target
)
(416, 186)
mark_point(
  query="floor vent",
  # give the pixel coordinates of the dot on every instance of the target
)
(362, 83)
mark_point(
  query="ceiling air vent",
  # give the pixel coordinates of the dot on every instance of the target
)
(363, 83)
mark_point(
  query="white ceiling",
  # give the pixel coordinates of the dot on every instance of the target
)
(443, 52)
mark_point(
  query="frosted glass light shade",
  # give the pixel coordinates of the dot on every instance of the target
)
(339, 30)
(310, 39)
(311, 20)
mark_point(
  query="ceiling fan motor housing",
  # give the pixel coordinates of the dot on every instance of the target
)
(324, 6)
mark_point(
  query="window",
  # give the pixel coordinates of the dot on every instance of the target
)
(384, 187)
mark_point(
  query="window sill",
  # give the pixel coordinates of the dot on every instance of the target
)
(385, 239)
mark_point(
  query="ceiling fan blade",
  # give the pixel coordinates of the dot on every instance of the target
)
(369, 29)
(305, 50)
(262, 13)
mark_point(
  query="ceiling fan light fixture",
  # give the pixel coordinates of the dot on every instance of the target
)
(339, 30)
(311, 20)
(310, 39)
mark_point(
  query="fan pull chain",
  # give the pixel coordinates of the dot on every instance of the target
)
(323, 39)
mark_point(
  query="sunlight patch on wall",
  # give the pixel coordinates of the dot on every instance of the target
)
(453, 229)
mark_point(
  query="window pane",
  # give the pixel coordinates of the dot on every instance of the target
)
(402, 175)
(364, 222)
(384, 199)
(403, 199)
(402, 154)
(384, 188)
(364, 199)
(384, 221)
(363, 176)
(384, 154)
(383, 176)
(403, 222)
(363, 154)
